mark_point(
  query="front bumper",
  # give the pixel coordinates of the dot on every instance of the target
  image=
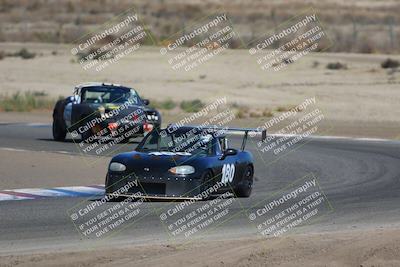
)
(155, 186)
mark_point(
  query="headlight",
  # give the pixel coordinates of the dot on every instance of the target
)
(184, 170)
(117, 167)
(152, 117)
(102, 110)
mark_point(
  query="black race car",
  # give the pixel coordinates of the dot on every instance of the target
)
(188, 162)
(99, 109)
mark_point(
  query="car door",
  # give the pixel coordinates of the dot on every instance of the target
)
(227, 166)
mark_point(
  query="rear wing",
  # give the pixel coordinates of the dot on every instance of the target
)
(246, 131)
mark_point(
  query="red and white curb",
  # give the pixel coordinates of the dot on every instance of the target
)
(56, 192)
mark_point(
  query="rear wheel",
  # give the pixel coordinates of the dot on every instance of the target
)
(85, 136)
(59, 131)
(59, 128)
(246, 185)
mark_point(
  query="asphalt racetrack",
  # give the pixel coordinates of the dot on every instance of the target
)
(360, 179)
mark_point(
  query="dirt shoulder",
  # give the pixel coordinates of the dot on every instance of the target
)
(42, 169)
(355, 248)
(26, 117)
(362, 92)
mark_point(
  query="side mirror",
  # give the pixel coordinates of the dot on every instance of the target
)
(146, 101)
(229, 152)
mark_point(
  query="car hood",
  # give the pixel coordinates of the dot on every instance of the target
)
(153, 163)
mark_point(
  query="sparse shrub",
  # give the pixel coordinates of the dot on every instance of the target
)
(254, 114)
(336, 66)
(242, 111)
(287, 61)
(39, 93)
(267, 113)
(240, 114)
(390, 64)
(25, 54)
(92, 53)
(315, 64)
(202, 77)
(2, 55)
(282, 109)
(166, 104)
(26, 101)
(234, 105)
(192, 105)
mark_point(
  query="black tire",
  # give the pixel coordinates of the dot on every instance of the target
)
(207, 179)
(86, 135)
(59, 128)
(59, 131)
(246, 185)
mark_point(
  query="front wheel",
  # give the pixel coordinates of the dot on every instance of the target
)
(59, 132)
(86, 136)
(246, 185)
(207, 179)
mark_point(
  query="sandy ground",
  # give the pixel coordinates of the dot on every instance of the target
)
(353, 248)
(360, 101)
(364, 92)
(42, 169)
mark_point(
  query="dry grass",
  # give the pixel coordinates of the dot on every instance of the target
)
(26, 101)
(167, 104)
(336, 66)
(243, 111)
(22, 53)
(355, 26)
(390, 64)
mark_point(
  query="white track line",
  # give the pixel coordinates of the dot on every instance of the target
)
(44, 151)
(56, 192)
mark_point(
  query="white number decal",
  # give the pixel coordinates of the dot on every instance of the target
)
(228, 172)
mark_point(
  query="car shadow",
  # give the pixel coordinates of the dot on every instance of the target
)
(154, 200)
(52, 140)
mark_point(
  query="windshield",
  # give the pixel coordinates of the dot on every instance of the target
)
(190, 142)
(103, 94)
